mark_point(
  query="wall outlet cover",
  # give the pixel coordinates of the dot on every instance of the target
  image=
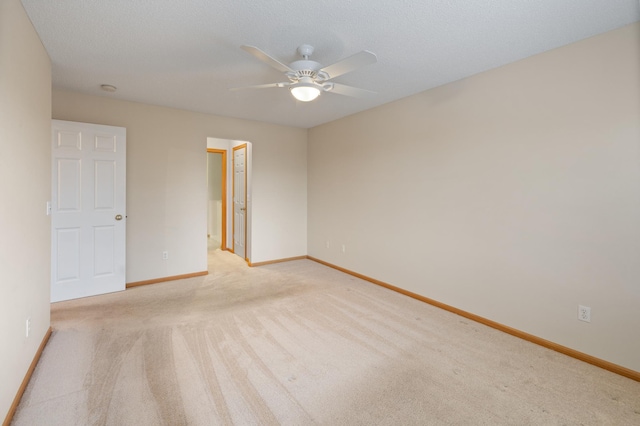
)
(584, 313)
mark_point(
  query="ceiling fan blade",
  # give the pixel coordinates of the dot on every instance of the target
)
(262, 86)
(266, 58)
(342, 89)
(351, 63)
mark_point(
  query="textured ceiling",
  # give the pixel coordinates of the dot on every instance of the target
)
(186, 54)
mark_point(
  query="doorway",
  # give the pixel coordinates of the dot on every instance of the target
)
(217, 199)
(233, 238)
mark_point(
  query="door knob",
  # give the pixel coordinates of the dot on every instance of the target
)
(119, 217)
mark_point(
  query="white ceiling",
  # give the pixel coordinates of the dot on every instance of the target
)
(186, 54)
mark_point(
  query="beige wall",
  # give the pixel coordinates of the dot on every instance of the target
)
(167, 182)
(25, 132)
(513, 194)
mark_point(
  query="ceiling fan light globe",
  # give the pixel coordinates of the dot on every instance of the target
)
(305, 93)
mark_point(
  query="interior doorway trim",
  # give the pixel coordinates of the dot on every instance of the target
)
(223, 243)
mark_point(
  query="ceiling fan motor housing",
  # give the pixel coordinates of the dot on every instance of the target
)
(306, 68)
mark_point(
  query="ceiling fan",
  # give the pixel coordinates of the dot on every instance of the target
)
(307, 78)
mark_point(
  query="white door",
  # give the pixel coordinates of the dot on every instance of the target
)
(239, 200)
(88, 223)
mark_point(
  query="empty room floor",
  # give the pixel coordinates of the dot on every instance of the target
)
(298, 343)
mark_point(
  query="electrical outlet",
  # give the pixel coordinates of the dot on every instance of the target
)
(328, 244)
(165, 255)
(584, 313)
(28, 328)
(344, 248)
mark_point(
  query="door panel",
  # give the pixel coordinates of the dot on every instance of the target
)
(104, 243)
(105, 182)
(68, 139)
(68, 259)
(68, 187)
(88, 210)
(239, 200)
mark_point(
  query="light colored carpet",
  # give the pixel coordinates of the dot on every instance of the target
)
(298, 343)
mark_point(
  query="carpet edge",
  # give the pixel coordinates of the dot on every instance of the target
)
(581, 356)
(27, 377)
